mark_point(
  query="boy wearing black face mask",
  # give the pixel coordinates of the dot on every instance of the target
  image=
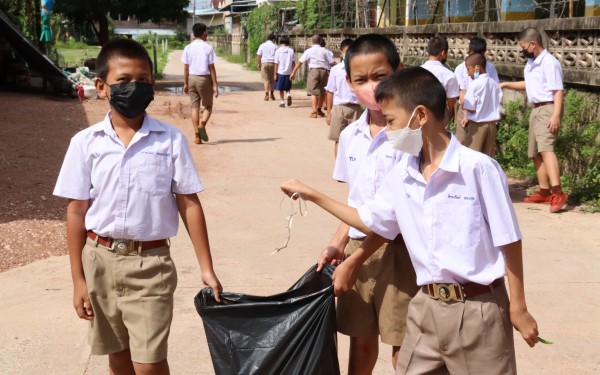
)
(377, 304)
(451, 205)
(126, 179)
(545, 91)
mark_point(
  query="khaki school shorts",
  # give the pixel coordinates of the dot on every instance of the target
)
(378, 302)
(342, 116)
(540, 137)
(316, 81)
(267, 72)
(132, 299)
(481, 136)
(200, 89)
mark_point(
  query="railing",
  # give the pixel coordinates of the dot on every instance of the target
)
(574, 42)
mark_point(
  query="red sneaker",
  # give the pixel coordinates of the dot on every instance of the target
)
(538, 198)
(557, 202)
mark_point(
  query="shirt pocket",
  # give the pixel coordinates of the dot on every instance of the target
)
(152, 174)
(461, 225)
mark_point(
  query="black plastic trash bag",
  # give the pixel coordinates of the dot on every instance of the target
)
(292, 333)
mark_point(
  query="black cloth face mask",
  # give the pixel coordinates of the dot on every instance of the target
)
(131, 99)
(526, 54)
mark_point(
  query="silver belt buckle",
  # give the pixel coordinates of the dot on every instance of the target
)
(122, 246)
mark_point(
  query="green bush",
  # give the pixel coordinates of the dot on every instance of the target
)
(261, 21)
(577, 146)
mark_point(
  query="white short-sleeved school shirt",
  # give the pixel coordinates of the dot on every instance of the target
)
(198, 55)
(266, 51)
(543, 76)
(317, 57)
(455, 225)
(363, 162)
(339, 87)
(285, 57)
(131, 190)
(445, 76)
(483, 96)
(463, 79)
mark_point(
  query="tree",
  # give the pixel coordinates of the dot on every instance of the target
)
(96, 12)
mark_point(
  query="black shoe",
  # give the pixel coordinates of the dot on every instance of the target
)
(281, 105)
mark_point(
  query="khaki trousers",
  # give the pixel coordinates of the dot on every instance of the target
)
(464, 338)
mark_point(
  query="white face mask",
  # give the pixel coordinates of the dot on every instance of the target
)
(406, 140)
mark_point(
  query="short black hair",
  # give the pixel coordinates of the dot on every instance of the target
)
(120, 48)
(272, 36)
(345, 43)
(478, 45)
(475, 59)
(411, 87)
(370, 44)
(530, 34)
(437, 45)
(284, 40)
(198, 29)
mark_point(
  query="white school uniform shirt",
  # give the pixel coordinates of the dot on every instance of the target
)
(317, 57)
(131, 189)
(338, 86)
(285, 57)
(543, 76)
(445, 76)
(455, 225)
(266, 51)
(363, 162)
(463, 79)
(484, 97)
(198, 55)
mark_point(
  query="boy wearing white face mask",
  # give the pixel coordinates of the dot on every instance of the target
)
(482, 104)
(377, 304)
(452, 206)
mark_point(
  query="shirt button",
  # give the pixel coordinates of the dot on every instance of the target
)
(119, 215)
(122, 186)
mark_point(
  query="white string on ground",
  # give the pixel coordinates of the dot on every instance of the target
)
(290, 218)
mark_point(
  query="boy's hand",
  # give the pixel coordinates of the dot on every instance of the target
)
(292, 76)
(526, 325)
(554, 124)
(463, 122)
(331, 255)
(328, 118)
(216, 91)
(344, 277)
(210, 280)
(186, 88)
(294, 186)
(81, 300)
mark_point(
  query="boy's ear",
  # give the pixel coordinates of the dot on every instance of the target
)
(422, 115)
(101, 88)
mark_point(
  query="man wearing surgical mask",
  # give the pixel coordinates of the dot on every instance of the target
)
(377, 304)
(544, 85)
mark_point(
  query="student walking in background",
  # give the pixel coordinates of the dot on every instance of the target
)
(266, 64)
(284, 64)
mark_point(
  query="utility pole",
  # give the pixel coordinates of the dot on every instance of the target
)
(194, 14)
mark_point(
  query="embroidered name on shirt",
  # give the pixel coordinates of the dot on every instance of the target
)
(352, 158)
(454, 196)
(95, 155)
(156, 153)
(469, 198)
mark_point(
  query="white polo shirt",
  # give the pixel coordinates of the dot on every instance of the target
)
(543, 76)
(266, 51)
(285, 57)
(455, 224)
(130, 189)
(484, 97)
(317, 57)
(445, 76)
(463, 79)
(363, 162)
(199, 55)
(338, 86)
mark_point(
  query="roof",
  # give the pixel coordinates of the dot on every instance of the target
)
(240, 6)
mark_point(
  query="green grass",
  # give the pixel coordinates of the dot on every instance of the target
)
(74, 57)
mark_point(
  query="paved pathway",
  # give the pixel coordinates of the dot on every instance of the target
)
(254, 147)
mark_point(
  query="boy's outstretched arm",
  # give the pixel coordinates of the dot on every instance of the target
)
(192, 215)
(76, 210)
(518, 85)
(345, 213)
(519, 316)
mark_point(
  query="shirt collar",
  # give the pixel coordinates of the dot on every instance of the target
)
(433, 62)
(450, 161)
(149, 125)
(538, 60)
(363, 126)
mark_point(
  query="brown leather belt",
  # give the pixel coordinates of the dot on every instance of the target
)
(124, 247)
(458, 292)
(535, 105)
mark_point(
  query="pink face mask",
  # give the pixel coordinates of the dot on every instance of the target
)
(366, 96)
